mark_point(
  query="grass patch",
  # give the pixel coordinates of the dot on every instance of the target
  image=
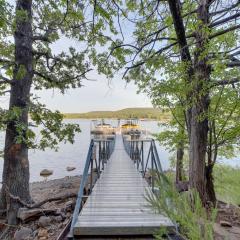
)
(227, 183)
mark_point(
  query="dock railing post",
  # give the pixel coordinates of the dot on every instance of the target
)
(142, 161)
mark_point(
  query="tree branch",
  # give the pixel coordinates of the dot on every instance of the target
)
(225, 82)
(180, 30)
(224, 31)
(220, 22)
(233, 64)
(43, 38)
(225, 10)
(5, 80)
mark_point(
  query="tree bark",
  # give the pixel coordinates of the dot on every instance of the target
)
(16, 164)
(197, 151)
(180, 154)
(179, 164)
(211, 196)
(199, 111)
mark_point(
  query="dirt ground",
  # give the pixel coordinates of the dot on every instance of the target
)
(228, 215)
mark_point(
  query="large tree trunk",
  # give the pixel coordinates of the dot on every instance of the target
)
(16, 165)
(199, 111)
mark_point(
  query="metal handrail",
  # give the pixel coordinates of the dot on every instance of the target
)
(136, 149)
(105, 149)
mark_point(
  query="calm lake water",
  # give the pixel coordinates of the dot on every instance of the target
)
(75, 155)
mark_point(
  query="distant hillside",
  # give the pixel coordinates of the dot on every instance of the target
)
(145, 113)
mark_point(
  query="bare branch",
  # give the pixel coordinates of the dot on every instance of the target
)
(233, 64)
(43, 38)
(5, 80)
(225, 20)
(225, 82)
(233, 28)
(226, 9)
(3, 60)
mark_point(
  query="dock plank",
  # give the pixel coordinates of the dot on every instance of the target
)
(117, 204)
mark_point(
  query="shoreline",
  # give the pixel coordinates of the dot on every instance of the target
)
(56, 179)
(62, 210)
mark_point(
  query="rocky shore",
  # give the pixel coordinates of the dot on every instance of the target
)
(52, 217)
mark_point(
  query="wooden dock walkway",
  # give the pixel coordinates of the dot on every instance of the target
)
(117, 206)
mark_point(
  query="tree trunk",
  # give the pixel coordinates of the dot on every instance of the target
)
(197, 151)
(211, 196)
(179, 164)
(16, 164)
(198, 74)
(199, 110)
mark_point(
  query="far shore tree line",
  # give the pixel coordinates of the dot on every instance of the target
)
(127, 113)
(183, 54)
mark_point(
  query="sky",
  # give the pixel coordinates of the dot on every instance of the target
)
(95, 95)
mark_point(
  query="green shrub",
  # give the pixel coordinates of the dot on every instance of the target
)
(185, 209)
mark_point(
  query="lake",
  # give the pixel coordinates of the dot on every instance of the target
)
(74, 155)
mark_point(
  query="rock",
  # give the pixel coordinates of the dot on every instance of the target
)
(220, 231)
(43, 233)
(58, 219)
(23, 234)
(69, 205)
(69, 169)
(225, 224)
(68, 214)
(46, 172)
(35, 233)
(63, 215)
(44, 221)
(43, 238)
(60, 225)
(235, 230)
(34, 227)
(65, 222)
(66, 185)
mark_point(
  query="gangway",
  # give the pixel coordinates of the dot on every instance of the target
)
(117, 205)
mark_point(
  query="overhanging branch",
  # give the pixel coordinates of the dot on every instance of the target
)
(225, 82)
(233, 28)
(5, 80)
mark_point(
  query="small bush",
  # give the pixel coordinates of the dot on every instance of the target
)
(185, 209)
